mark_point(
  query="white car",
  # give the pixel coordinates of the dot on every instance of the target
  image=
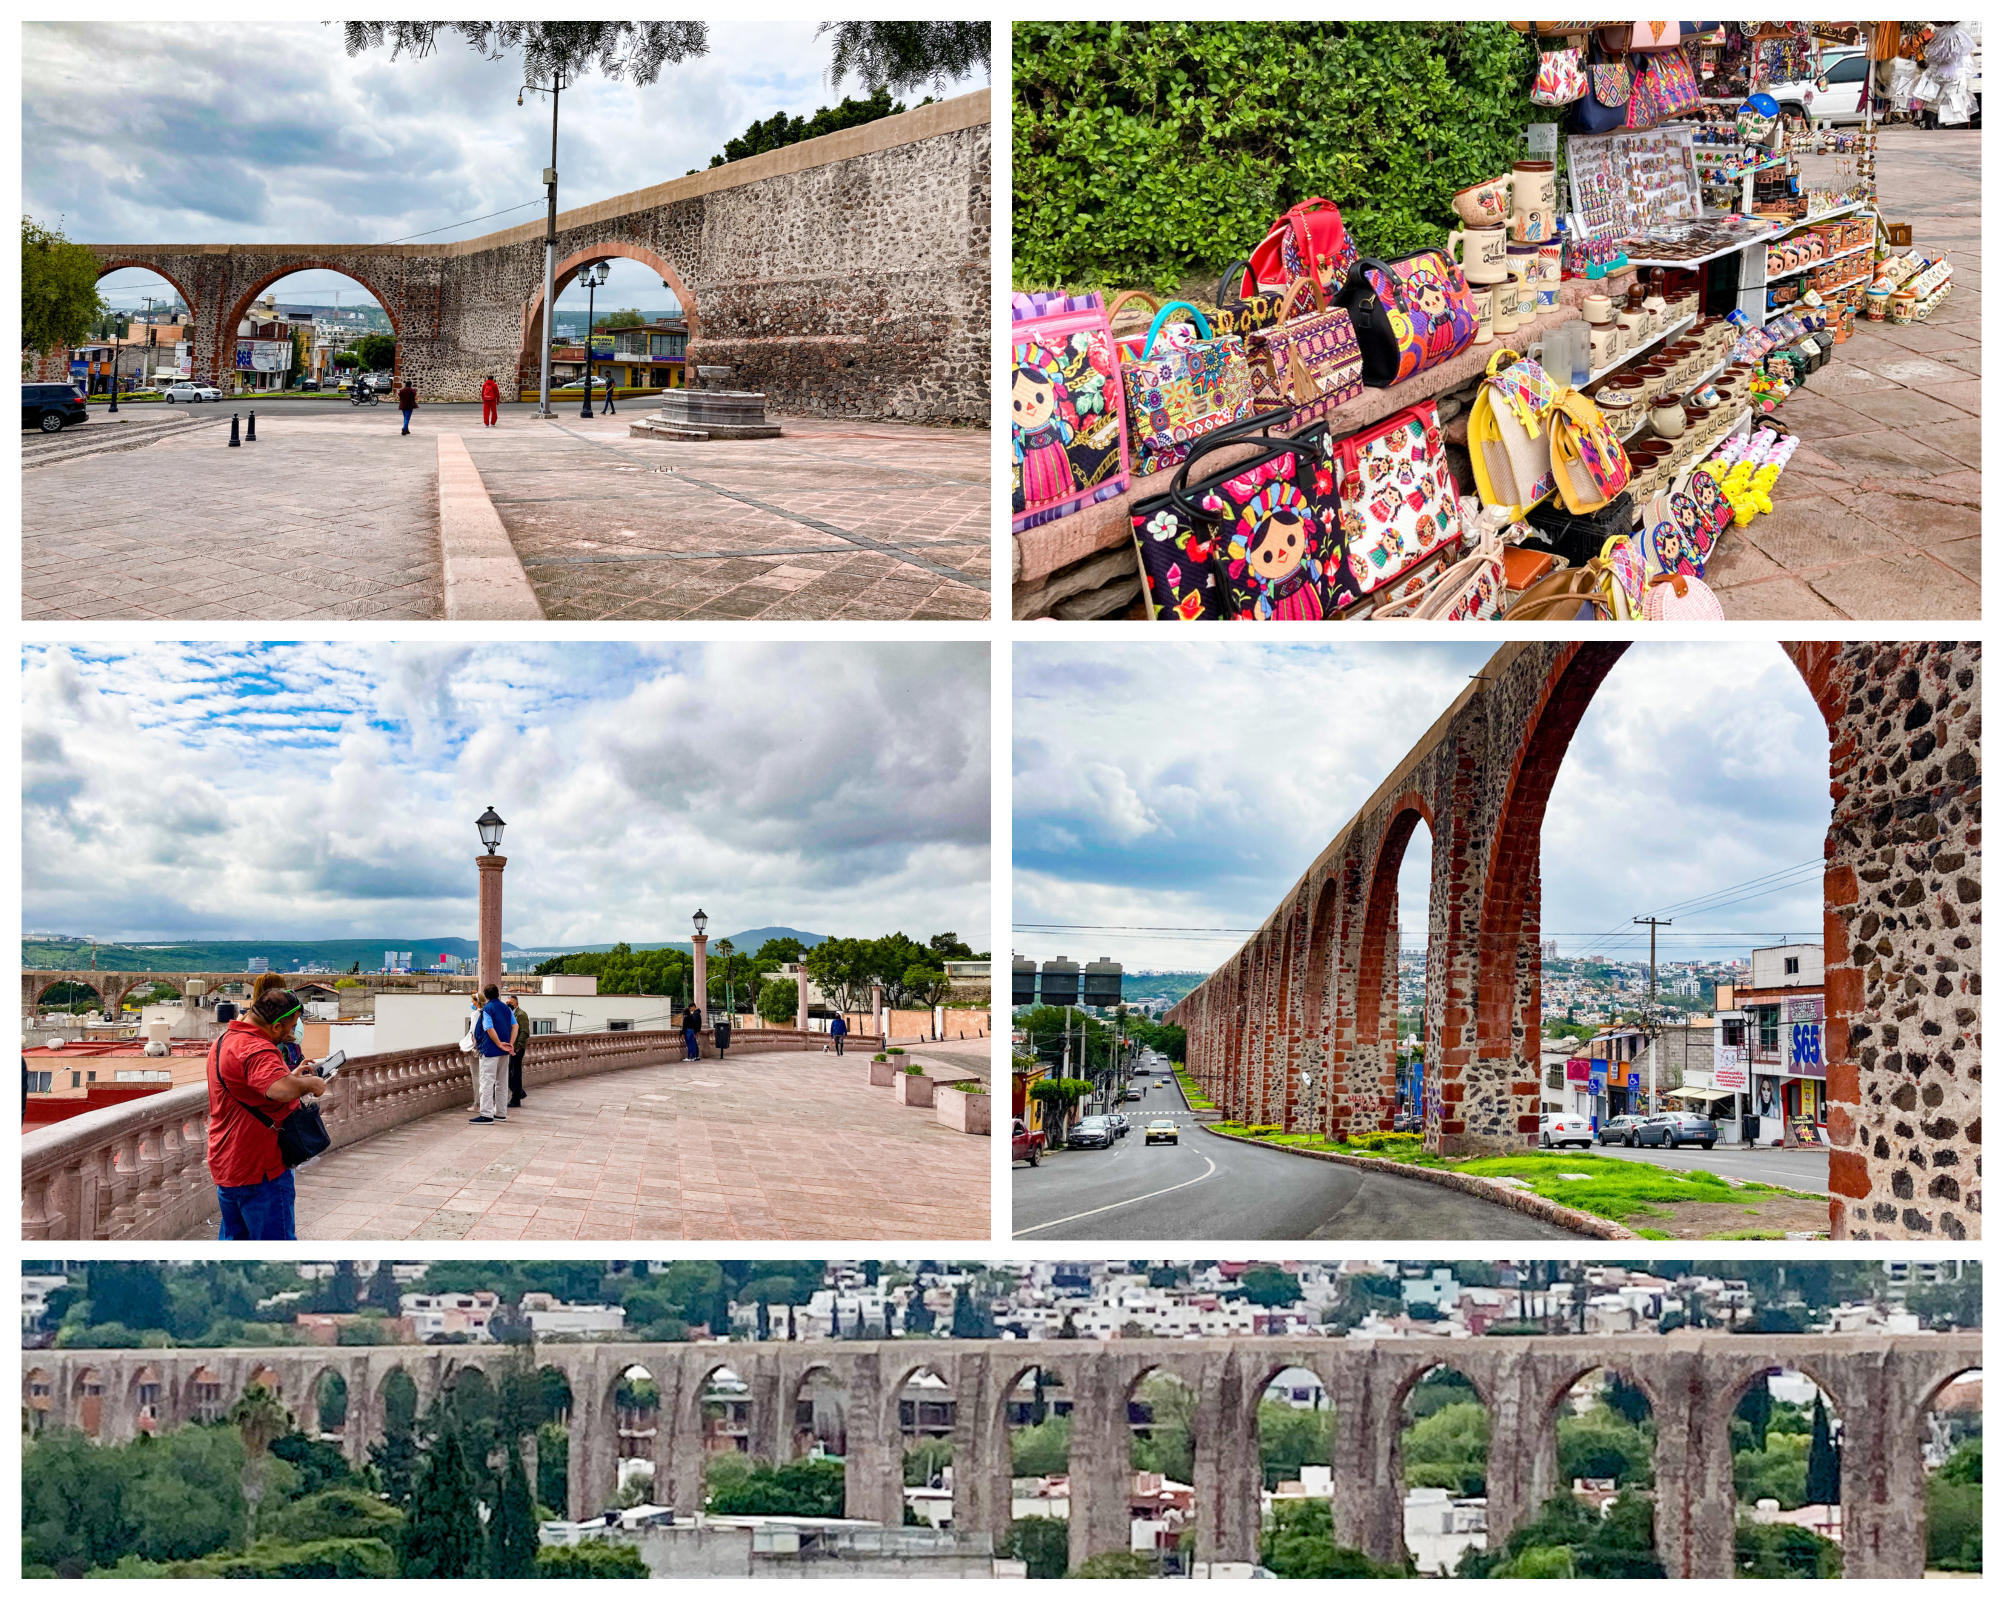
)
(1833, 97)
(1565, 1129)
(192, 393)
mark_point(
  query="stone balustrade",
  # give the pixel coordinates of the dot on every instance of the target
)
(140, 1171)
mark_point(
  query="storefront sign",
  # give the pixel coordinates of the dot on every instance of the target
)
(1728, 1068)
(263, 355)
(1578, 1071)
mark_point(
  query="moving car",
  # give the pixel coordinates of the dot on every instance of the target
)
(192, 393)
(1164, 1129)
(1830, 98)
(52, 407)
(1565, 1129)
(1028, 1145)
(1676, 1130)
(1620, 1130)
(309, 384)
(1096, 1130)
(1135, 1092)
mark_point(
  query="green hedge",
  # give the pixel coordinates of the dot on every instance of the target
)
(1152, 154)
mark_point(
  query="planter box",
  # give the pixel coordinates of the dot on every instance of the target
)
(968, 1111)
(914, 1090)
(899, 1058)
(882, 1073)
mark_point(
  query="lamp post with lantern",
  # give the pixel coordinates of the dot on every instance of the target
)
(701, 987)
(490, 865)
(591, 277)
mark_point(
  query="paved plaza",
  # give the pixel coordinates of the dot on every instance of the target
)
(757, 1146)
(1878, 515)
(333, 514)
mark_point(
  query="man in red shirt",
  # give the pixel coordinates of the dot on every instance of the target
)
(248, 1069)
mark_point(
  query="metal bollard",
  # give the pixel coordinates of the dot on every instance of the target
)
(250, 436)
(233, 440)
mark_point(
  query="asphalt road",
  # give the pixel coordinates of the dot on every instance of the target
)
(1801, 1169)
(1208, 1188)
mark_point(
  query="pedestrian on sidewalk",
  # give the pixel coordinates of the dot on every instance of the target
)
(494, 1039)
(515, 1095)
(838, 1028)
(252, 1090)
(691, 1033)
(611, 389)
(406, 400)
(490, 402)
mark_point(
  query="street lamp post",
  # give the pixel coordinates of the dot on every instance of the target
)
(591, 277)
(701, 921)
(490, 824)
(114, 365)
(554, 89)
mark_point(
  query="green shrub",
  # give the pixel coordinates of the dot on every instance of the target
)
(591, 1560)
(1116, 1566)
(1043, 1544)
(340, 1514)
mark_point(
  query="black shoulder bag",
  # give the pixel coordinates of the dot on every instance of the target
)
(302, 1133)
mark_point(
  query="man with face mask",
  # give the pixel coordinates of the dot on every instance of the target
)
(254, 1064)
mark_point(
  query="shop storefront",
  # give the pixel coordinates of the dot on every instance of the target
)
(1556, 401)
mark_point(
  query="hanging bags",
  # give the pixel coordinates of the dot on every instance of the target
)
(1398, 501)
(1069, 411)
(1308, 239)
(1672, 81)
(1410, 314)
(1310, 363)
(1178, 390)
(1603, 107)
(1560, 78)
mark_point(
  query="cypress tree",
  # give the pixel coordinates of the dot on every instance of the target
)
(515, 1538)
(919, 1319)
(764, 1322)
(441, 1539)
(383, 1291)
(343, 1293)
(1824, 1460)
(1755, 1407)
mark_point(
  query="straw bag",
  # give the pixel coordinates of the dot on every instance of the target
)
(1310, 363)
(1677, 598)
(1508, 433)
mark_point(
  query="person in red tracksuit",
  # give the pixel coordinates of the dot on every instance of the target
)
(490, 402)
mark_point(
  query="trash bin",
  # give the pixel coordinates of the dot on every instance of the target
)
(722, 1031)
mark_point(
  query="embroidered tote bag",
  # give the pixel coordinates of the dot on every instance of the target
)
(1309, 238)
(1409, 314)
(1673, 82)
(1179, 389)
(1069, 412)
(1174, 537)
(1398, 501)
(1603, 106)
(1560, 78)
(1310, 363)
(1586, 456)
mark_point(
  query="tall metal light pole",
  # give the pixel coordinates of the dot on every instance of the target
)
(115, 353)
(490, 824)
(554, 90)
(591, 277)
(1653, 1024)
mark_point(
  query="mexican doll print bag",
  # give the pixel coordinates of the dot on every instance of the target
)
(1675, 533)
(1409, 314)
(1309, 239)
(1309, 363)
(1277, 517)
(1398, 500)
(1586, 456)
(1069, 418)
(1175, 538)
(1179, 388)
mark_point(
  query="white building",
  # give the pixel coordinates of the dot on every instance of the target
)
(451, 1313)
(547, 1316)
(36, 1289)
(1440, 1527)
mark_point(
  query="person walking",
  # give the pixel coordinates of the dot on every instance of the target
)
(691, 1033)
(838, 1028)
(493, 1038)
(252, 1090)
(406, 401)
(611, 389)
(515, 1094)
(490, 402)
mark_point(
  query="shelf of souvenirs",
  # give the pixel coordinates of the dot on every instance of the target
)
(1640, 350)
(1694, 384)
(1680, 481)
(1819, 261)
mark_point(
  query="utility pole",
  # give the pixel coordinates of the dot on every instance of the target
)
(1654, 926)
(554, 89)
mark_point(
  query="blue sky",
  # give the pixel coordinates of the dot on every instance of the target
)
(248, 131)
(198, 789)
(1187, 786)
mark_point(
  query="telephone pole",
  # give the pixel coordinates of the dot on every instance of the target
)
(1654, 926)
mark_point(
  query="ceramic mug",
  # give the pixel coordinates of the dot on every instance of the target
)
(1485, 204)
(1605, 345)
(1533, 198)
(1485, 257)
(1666, 416)
(1549, 273)
(1483, 297)
(1598, 309)
(1507, 318)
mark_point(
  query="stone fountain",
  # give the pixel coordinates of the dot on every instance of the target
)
(711, 411)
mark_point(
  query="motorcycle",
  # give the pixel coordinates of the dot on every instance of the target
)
(363, 395)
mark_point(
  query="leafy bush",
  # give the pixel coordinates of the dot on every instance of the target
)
(809, 1488)
(591, 1560)
(1153, 153)
(311, 1560)
(1043, 1544)
(1785, 1551)
(1116, 1566)
(345, 1513)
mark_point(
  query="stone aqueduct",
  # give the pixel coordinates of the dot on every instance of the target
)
(113, 988)
(845, 276)
(1299, 1027)
(1881, 1387)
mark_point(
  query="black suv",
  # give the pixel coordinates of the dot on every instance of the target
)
(52, 407)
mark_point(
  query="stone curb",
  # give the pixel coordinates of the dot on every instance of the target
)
(1520, 1201)
(484, 578)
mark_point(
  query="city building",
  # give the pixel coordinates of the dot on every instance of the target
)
(1775, 1023)
(547, 1316)
(650, 356)
(467, 1313)
(264, 348)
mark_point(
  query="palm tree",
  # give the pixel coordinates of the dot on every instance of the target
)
(260, 1418)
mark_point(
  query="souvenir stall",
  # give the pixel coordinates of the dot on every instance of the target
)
(1555, 413)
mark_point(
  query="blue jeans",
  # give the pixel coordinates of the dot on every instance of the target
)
(258, 1212)
(691, 1045)
(406, 422)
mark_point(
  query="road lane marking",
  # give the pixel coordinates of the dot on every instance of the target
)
(1115, 1206)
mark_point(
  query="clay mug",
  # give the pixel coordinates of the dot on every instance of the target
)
(1484, 259)
(1598, 308)
(1533, 198)
(1666, 416)
(1485, 204)
(1483, 298)
(1605, 345)
(1506, 319)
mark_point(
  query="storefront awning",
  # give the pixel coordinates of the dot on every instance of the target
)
(1702, 1093)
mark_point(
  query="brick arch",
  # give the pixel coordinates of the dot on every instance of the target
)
(1279, 1051)
(225, 333)
(568, 268)
(1321, 1006)
(111, 264)
(1380, 901)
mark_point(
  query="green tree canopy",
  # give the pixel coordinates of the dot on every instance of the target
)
(59, 298)
(634, 51)
(906, 55)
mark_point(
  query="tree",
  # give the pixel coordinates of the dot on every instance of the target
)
(343, 1293)
(550, 50)
(377, 351)
(971, 1319)
(1785, 1551)
(807, 1488)
(778, 1000)
(1824, 1459)
(592, 1560)
(383, 1291)
(515, 1538)
(132, 1294)
(1043, 1448)
(919, 1319)
(301, 351)
(1270, 1286)
(1116, 1566)
(59, 298)
(347, 361)
(780, 130)
(1043, 1544)
(926, 984)
(1300, 1545)
(441, 1540)
(394, 1457)
(901, 56)
(628, 318)
(260, 1418)
(1755, 1407)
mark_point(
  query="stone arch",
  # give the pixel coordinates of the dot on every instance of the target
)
(270, 1378)
(1730, 1393)
(1482, 1385)
(38, 1397)
(1375, 1046)
(111, 264)
(307, 1413)
(202, 1398)
(41, 984)
(530, 355)
(225, 333)
(1323, 1027)
(804, 1425)
(86, 1400)
(890, 1420)
(695, 1407)
(146, 1398)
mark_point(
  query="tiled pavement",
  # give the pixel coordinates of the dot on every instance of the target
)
(336, 516)
(831, 520)
(765, 1146)
(1878, 515)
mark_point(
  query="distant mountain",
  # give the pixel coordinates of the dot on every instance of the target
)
(747, 942)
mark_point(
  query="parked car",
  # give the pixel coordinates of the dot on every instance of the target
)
(1833, 97)
(52, 407)
(1121, 1124)
(1564, 1129)
(1096, 1130)
(1676, 1130)
(192, 393)
(1620, 1131)
(1028, 1145)
(1164, 1129)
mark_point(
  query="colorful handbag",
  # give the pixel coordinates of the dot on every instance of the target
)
(1277, 522)
(1069, 425)
(1244, 314)
(1398, 501)
(1603, 106)
(1467, 591)
(1309, 238)
(1309, 363)
(1676, 533)
(1586, 456)
(1643, 105)
(1179, 390)
(1508, 433)
(1409, 314)
(1678, 598)
(1175, 540)
(1560, 78)
(1673, 83)
(1622, 576)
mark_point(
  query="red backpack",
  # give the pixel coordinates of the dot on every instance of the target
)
(1309, 233)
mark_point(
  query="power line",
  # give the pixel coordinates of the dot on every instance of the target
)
(537, 201)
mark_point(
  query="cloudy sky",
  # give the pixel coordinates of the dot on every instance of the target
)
(209, 790)
(184, 132)
(1188, 787)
